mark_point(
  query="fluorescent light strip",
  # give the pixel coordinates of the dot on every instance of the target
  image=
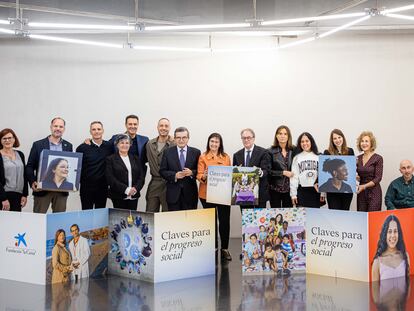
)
(245, 50)
(313, 18)
(4, 22)
(76, 41)
(343, 27)
(8, 31)
(169, 49)
(299, 42)
(80, 26)
(196, 27)
(410, 18)
(399, 9)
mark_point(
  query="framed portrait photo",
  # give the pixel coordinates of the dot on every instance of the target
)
(337, 174)
(59, 170)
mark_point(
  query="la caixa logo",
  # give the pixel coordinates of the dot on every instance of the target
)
(20, 246)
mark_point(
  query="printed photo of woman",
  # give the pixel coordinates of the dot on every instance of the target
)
(56, 176)
(391, 259)
(61, 259)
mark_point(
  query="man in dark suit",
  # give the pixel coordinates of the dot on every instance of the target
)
(254, 156)
(138, 141)
(42, 199)
(179, 169)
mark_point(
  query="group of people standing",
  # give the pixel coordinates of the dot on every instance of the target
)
(117, 169)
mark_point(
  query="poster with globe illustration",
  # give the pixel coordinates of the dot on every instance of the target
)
(159, 247)
(131, 244)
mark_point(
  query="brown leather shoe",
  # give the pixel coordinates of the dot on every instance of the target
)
(225, 254)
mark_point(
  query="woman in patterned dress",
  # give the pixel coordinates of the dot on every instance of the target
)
(369, 169)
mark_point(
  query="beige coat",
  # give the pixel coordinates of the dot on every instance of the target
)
(61, 263)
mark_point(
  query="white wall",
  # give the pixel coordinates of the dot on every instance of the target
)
(352, 82)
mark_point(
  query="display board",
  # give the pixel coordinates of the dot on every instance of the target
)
(337, 243)
(274, 240)
(23, 247)
(162, 246)
(352, 245)
(89, 256)
(41, 248)
(233, 185)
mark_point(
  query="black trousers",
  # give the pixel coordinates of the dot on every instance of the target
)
(308, 197)
(280, 199)
(181, 204)
(125, 204)
(339, 201)
(223, 213)
(93, 198)
(14, 199)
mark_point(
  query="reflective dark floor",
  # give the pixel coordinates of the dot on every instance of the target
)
(227, 290)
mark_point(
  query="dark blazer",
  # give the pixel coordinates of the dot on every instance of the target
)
(51, 185)
(34, 157)
(117, 175)
(260, 158)
(3, 178)
(278, 165)
(141, 142)
(170, 165)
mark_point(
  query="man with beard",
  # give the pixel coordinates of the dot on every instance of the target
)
(42, 199)
(156, 192)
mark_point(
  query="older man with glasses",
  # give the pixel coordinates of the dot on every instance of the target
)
(254, 156)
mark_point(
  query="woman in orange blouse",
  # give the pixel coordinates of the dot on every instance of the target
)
(215, 155)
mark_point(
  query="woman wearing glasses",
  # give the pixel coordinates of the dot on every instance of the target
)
(13, 183)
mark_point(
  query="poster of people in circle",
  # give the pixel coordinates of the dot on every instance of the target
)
(245, 186)
(274, 241)
(131, 244)
(337, 174)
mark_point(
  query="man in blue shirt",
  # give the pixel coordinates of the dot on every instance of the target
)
(400, 193)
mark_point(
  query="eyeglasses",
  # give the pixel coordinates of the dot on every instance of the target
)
(247, 138)
(7, 138)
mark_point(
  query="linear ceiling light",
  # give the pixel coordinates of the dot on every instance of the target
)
(8, 31)
(245, 50)
(399, 9)
(76, 41)
(80, 26)
(410, 18)
(325, 34)
(4, 22)
(313, 18)
(343, 27)
(169, 49)
(298, 42)
(196, 27)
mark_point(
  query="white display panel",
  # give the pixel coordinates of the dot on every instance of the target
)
(23, 247)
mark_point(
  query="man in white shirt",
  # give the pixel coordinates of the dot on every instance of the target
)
(79, 249)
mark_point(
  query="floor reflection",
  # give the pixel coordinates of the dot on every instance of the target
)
(272, 292)
(392, 294)
(227, 290)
